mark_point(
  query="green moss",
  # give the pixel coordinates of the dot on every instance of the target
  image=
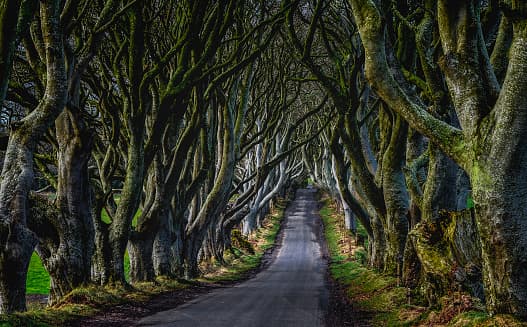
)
(482, 319)
(369, 290)
(126, 265)
(361, 255)
(471, 318)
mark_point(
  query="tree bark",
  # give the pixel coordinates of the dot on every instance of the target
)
(17, 241)
(140, 250)
(68, 258)
(490, 145)
(164, 261)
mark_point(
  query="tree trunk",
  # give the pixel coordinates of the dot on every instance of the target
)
(100, 270)
(396, 221)
(191, 250)
(140, 250)
(217, 239)
(141, 242)
(68, 260)
(377, 244)
(118, 231)
(394, 189)
(449, 255)
(163, 255)
(500, 205)
(16, 240)
(440, 191)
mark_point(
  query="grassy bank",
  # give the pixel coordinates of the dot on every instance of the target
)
(92, 300)
(376, 295)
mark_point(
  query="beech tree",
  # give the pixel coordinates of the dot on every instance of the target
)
(492, 125)
(18, 241)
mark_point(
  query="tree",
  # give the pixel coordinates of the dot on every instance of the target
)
(492, 120)
(17, 240)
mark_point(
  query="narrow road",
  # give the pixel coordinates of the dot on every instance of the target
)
(290, 292)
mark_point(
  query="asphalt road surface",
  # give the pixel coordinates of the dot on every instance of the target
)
(291, 292)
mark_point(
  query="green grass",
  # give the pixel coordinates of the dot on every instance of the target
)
(37, 278)
(378, 294)
(363, 284)
(106, 218)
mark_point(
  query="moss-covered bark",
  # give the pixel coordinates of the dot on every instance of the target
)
(17, 240)
(449, 256)
(67, 252)
(488, 146)
(394, 189)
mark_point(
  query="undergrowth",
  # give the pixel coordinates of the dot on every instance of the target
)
(377, 295)
(91, 300)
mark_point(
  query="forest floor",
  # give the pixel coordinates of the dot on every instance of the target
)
(98, 306)
(361, 296)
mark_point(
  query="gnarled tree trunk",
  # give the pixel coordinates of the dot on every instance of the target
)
(490, 145)
(67, 257)
(17, 241)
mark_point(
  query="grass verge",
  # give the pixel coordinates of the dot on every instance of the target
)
(377, 296)
(92, 300)
(240, 263)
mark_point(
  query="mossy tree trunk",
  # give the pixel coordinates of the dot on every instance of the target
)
(394, 130)
(141, 242)
(341, 176)
(17, 240)
(163, 184)
(109, 264)
(233, 114)
(68, 261)
(68, 257)
(489, 145)
(166, 263)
